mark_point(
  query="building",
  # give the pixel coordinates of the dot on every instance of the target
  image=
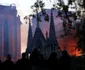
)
(44, 45)
(10, 32)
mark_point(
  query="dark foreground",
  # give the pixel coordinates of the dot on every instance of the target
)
(37, 62)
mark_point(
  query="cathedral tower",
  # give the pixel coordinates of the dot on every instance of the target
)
(53, 43)
(29, 43)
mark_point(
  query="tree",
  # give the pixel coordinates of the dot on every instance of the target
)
(81, 35)
(39, 7)
(64, 9)
(79, 6)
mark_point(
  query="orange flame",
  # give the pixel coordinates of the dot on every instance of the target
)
(71, 45)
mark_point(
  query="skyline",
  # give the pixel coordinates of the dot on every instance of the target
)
(23, 8)
(22, 12)
(35, 37)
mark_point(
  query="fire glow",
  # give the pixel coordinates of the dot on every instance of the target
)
(70, 43)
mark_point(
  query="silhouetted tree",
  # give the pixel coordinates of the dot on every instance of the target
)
(79, 6)
(38, 7)
(81, 35)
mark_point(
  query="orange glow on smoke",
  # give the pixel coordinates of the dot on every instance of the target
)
(70, 43)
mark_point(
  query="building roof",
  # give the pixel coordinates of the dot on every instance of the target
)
(38, 38)
(8, 9)
(52, 34)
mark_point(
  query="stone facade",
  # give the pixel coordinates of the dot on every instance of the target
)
(10, 32)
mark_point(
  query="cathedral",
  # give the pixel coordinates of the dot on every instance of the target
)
(10, 36)
(44, 45)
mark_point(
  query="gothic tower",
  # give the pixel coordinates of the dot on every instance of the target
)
(29, 43)
(39, 41)
(53, 43)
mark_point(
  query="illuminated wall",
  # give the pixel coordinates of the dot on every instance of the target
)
(10, 32)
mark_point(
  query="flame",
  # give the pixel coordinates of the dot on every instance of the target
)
(71, 45)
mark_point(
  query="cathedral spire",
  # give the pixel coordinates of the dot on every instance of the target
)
(52, 34)
(29, 42)
(37, 21)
